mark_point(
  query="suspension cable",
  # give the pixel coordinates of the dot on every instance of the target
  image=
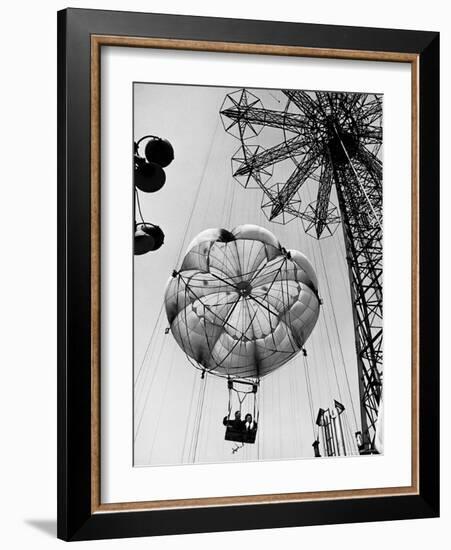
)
(188, 417)
(338, 336)
(196, 197)
(309, 393)
(199, 417)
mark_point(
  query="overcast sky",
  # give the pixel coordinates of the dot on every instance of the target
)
(178, 416)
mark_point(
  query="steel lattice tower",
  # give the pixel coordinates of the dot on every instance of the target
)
(333, 139)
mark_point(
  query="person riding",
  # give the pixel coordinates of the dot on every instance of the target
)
(236, 424)
(249, 424)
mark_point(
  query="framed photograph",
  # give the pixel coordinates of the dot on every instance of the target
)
(248, 274)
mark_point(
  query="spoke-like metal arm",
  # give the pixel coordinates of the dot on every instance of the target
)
(371, 112)
(293, 184)
(372, 134)
(303, 102)
(265, 117)
(371, 163)
(274, 155)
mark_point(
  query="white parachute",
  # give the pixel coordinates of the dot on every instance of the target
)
(241, 305)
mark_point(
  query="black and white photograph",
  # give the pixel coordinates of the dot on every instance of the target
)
(225, 283)
(257, 274)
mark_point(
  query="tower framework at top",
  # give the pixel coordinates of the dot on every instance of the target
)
(334, 139)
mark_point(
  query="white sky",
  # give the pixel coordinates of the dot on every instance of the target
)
(178, 416)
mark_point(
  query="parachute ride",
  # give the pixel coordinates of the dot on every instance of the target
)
(240, 307)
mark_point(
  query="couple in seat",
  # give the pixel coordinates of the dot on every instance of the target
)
(240, 431)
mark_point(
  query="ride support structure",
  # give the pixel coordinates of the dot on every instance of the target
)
(334, 139)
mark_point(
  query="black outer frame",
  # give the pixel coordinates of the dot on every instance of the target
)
(75, 520)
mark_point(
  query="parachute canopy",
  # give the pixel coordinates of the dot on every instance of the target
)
(241, 305)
